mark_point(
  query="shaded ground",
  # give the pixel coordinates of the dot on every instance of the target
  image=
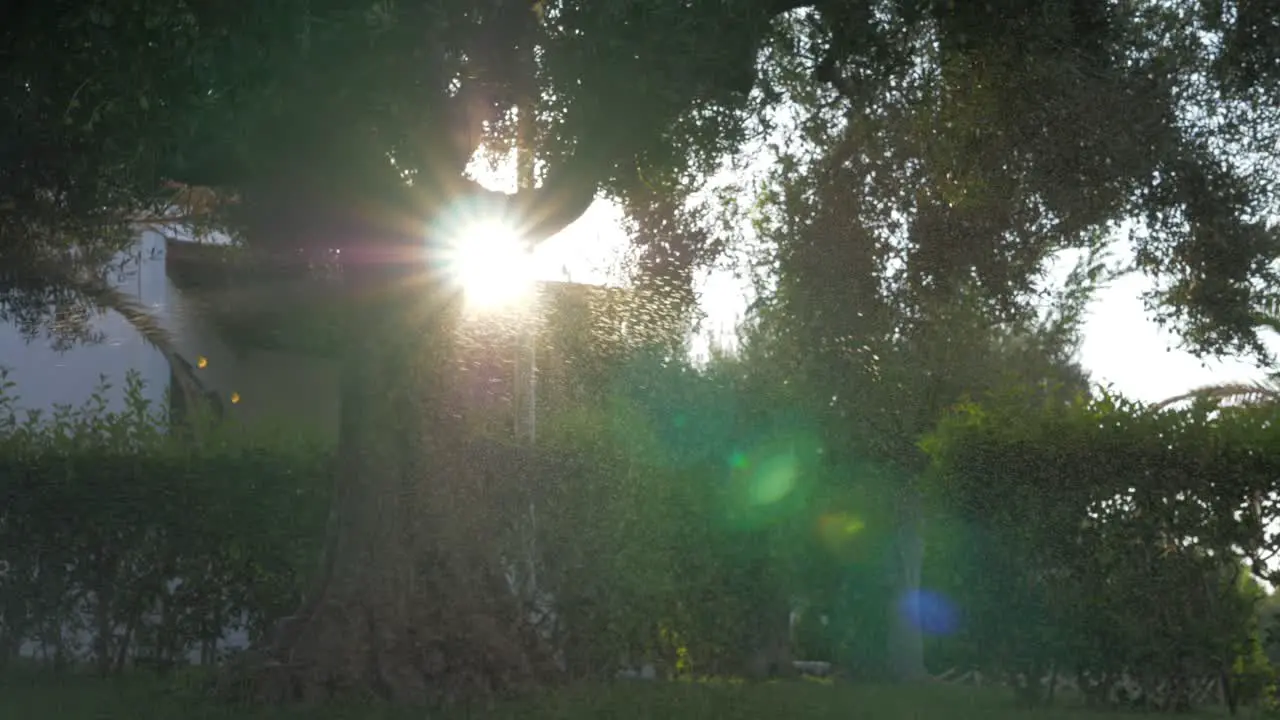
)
(142, 699)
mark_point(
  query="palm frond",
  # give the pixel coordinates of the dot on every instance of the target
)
(1253, 393)
(1250, 393)
(1268, 319)
(147, 324)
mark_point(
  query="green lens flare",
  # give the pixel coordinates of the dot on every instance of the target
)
(771, 482)
(773, 479)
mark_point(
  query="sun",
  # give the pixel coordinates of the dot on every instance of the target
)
(490, 265)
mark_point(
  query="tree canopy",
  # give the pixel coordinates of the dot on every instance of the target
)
(1064, 116)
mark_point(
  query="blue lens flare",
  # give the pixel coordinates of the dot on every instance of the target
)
(930, 612)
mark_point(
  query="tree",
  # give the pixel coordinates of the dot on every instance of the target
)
(913, 218)
(1062, 111)
(303, 141)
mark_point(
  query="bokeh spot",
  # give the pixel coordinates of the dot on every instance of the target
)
(773, 479)
(931, 612)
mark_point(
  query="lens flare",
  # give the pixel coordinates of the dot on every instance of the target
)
(773, 479)
(839, 528)
(770, 482)
(930, 612)
(841, 534)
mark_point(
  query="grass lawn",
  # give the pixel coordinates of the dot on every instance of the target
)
(78, 698)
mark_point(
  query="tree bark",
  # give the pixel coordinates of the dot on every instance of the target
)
(770, 656)
(412, 605)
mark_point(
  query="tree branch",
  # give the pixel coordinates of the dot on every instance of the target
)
(466, 115)
(774, 8)
(571, 188)
(542, 212)
(141, 318)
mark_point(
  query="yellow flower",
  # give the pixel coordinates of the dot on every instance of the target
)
(202, 362)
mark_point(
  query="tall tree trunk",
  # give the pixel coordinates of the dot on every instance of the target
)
(770, 655)
(906, 639)
(413, 605)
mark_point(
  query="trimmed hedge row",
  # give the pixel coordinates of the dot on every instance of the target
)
(1105, 539)
(121, 543)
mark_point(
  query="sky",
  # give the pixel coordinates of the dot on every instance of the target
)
(1124, 346)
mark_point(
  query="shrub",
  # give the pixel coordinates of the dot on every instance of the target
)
(121, 541)
(1105, 537)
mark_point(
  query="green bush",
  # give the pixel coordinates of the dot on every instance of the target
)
(650, 550)
(636, 539)
(147, 542)
(1106, 538)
